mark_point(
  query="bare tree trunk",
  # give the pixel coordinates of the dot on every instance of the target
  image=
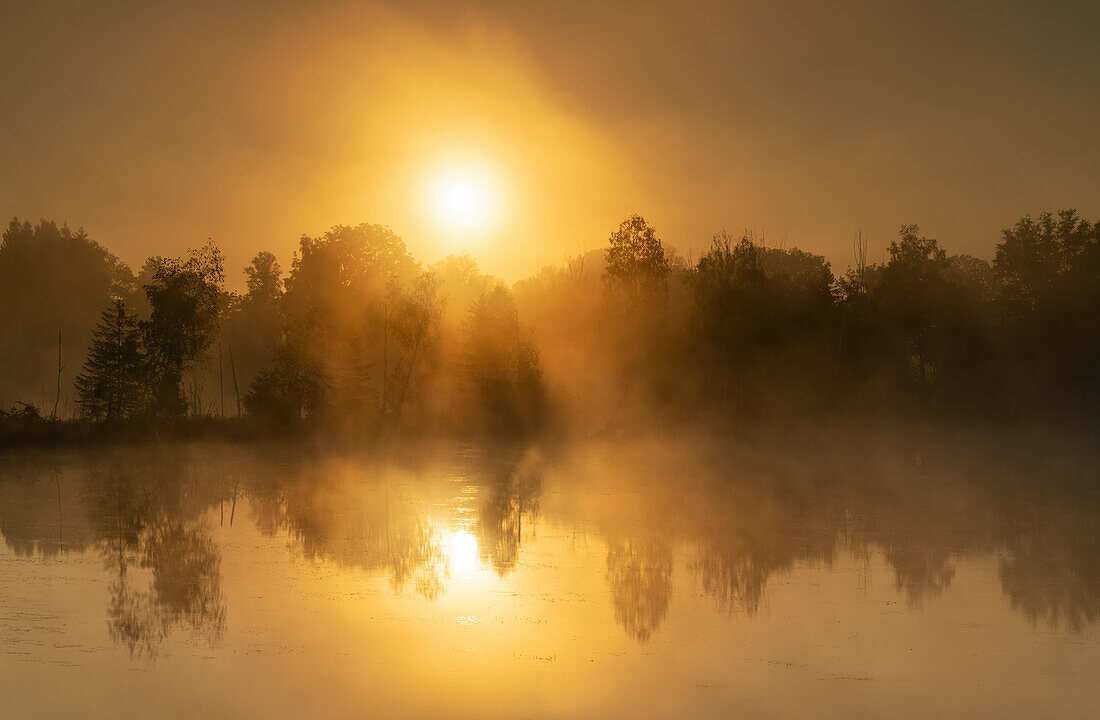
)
(236, 391)
(221, 380)
(408, 379)
(385, 353)
(859, 250)
(57, 398)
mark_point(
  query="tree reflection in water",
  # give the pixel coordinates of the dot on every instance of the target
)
(742, 522)
(510, 483)
(347, 513)
(369, 515)
(639, 573)
(148, 519)
(1051, 572)
(40, 513)
(736, 522)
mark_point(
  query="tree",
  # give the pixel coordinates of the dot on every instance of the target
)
(461, 281)
(285, 390)
(727, 280)
(111, 385)
(415, 325)
(185, 301)
(639, 573)
(504, 390)
(264, 279)
(1033, 254)
(760, 319)
(634, 331)
(636, 262)
(334, 309)
(1047, 277)
(253, 323)
(51, 278)
(912, 290)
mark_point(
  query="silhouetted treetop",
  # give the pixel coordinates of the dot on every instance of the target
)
(350, 257)
(112, 383)
(636, 260)
(51, 279)
(264, 278)
(185, 301)
(358, 335)
(1035, 252)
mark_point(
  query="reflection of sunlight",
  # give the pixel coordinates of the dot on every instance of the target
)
(461, 551)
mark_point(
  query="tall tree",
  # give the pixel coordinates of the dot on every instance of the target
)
(415, 324)
(912, 291)
(334, 308)
(759, 321)
(1047, 275)
(636, 262)
(1034, 253)
(253, 323)
(51, 278)
(111, 385)
(504, 390)
(185, 299)
(263, 278)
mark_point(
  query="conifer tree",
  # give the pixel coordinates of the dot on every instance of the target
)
(111, 385)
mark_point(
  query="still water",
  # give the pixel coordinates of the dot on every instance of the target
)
(597, 580)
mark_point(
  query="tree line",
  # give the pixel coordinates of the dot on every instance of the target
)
(360, 336)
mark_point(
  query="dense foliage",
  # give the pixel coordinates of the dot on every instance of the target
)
(361, 337)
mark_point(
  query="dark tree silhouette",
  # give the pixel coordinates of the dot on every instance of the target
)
(112, 383)
(51, 278)
(911, 289)
(636, 262)
(503, 387)
(1034, 254)
(185, 300)
(264, 279)
(359, 335)
(285, 390)
(760, 319)
(1047, 275)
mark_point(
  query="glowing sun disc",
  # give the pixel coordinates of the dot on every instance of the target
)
(462, 201)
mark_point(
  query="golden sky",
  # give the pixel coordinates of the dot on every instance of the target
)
(158, 125)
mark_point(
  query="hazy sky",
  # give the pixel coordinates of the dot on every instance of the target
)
(158, 124)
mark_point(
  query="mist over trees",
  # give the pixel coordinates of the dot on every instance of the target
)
(52, 280)
(360, 337)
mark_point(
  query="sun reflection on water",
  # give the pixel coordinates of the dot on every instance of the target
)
(462, 557)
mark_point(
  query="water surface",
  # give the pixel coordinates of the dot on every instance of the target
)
(596, 580)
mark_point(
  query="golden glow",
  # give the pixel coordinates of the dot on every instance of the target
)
(461, 552)
(464, 201)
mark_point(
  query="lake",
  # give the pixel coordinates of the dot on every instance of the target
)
(592, 579)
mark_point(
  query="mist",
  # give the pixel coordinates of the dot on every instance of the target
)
(358, 339)
(549, 360)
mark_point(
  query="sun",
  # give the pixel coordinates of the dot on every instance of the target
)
(464, 201)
